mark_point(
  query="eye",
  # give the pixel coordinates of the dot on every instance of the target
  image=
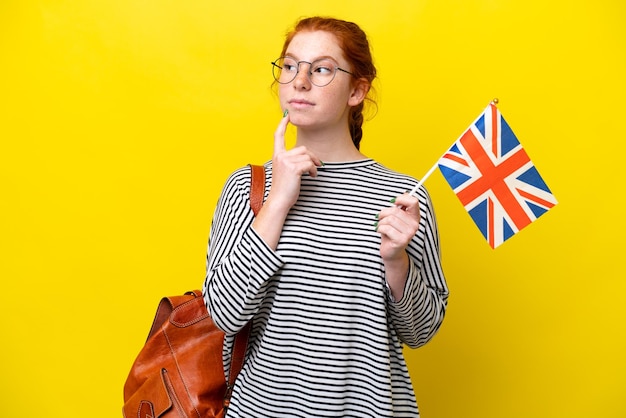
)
(289, 65)
(322, 67)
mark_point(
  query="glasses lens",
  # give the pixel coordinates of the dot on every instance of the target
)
(284, 69)
(322, 72)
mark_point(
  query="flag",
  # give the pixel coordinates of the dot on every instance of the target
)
(494, 178)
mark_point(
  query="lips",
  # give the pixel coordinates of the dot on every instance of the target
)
(299, 103)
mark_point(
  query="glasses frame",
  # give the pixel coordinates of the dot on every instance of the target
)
(308, 73)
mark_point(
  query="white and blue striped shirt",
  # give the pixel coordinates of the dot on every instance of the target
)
(327, 336)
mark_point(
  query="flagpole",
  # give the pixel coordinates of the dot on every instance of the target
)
(423, 179)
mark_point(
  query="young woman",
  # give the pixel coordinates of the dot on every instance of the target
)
(341, 267)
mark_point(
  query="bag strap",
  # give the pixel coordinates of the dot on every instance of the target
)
(257, 187)
(257, 193)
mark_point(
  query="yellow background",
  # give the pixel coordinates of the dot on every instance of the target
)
(121, 119)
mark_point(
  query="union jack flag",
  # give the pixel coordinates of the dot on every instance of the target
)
(494, 178)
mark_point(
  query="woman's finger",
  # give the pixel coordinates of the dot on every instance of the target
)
(279, 134)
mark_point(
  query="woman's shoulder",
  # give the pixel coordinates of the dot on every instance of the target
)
(405, 180)
(239, 178)
(392, 174)
(243, 173)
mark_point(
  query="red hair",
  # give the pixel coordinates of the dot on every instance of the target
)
(355, 46)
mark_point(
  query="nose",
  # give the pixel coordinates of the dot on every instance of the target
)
(302, 81)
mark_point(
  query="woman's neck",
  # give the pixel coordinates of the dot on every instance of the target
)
(329, 146)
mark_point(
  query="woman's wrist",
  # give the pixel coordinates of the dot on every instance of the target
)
(396, 271)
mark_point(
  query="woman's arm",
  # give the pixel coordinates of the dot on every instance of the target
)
(417, 286)
(241, 257)
(239, 263)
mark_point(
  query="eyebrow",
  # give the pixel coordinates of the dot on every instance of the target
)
(323, 57)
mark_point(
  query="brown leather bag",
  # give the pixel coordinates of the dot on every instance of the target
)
(179, 372)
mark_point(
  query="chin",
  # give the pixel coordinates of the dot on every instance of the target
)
(300, 120)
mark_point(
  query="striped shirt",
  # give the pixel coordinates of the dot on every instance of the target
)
(327, 336)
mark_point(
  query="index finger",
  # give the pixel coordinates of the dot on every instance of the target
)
(279, 135)
(407, 201)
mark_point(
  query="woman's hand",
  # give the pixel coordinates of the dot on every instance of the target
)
(288, 166)
(397, 226)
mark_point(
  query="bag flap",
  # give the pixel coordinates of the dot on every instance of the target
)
(189, 313)
(152, 399)
(167, 306)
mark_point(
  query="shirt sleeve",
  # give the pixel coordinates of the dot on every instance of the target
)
(239, 263)
(419, 314)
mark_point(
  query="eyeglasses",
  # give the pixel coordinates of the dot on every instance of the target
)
(321, 72)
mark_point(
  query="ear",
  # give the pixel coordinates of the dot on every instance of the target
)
(359, 92)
